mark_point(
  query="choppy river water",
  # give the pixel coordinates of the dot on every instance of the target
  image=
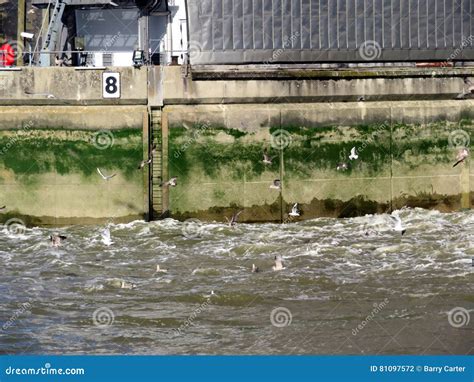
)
(349, 286)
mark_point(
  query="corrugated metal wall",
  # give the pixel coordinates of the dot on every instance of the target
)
(271, 31)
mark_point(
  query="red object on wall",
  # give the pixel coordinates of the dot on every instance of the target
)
(7, 55)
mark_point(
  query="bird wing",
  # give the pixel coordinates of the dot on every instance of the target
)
(459, 161)
(111, 176)
(467, 81)
(100, 173)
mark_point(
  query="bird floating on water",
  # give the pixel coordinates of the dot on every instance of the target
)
(172, 182)
(105, 177)
(160, 270)
(461, 157)
(398, 226)
(255, 269)
(294, 210)
(56, 240)
(278, 264)
(353, 154)
(276, 184)
(127, 285)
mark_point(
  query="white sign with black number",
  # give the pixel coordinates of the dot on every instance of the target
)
(111, 85)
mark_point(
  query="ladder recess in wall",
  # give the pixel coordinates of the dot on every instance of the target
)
(156, 197)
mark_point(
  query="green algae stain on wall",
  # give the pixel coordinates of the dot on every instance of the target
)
(40, 151)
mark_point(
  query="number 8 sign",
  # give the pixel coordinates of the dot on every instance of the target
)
(111, 85)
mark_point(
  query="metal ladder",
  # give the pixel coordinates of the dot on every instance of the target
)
(156, 197)
(52, 34)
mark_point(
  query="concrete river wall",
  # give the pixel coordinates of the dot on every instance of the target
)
(212, 126)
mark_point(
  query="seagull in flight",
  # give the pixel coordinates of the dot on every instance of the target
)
(276, 184)
(172, 182)
(160, 270)
(461, 157)
(233, 219)
(398, 226)
(266, 158)
(56, 240)
(353, 154)
(342, 166)
(278, 264)
(143, 163)
(105, 177)
(294, 210)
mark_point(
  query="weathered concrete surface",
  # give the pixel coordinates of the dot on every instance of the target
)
(67, 85)
(405, 149)
(323, 86)
(72, 117)
(48, 175)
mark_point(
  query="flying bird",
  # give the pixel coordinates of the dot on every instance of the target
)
(276, 184)
(461, 157)
(398, 226)
(233, 219)
(342, 166)
(172, 182)
(278, 264)
(353, 154)
(266, 158)
(470, 85)
(143, 163)
(105, 177)
(294, 210)
(106, 239)
(56, 240)
(3, 208)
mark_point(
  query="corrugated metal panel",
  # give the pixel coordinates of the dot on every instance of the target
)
(285, 31)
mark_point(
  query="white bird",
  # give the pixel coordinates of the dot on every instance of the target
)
(105, 177)
(172, 182)
(266, 158)
(127, 285)
(278, 264)
(461, 157)
(106, 237)
(294, 210)
(342, 166)
(255, 269)
(143, 163)
(160, 270)
(56, 240)
(398, 226)
(276, 184)
(353, 154)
